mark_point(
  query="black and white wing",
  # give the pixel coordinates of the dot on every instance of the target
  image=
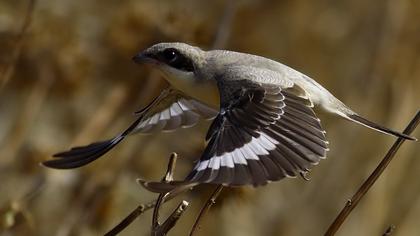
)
(169, 111)
(175, 110)
(263, 133)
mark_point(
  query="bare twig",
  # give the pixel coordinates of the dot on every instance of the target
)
(136, 213)
(169, 223)
(127, 221)
(155, 218)
(206, 208)
(389, 230)
(8, 70)
(352, 203)
(162, 229)
(157, 228)
(168, 177)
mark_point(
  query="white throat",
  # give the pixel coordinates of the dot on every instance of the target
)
(205, 91)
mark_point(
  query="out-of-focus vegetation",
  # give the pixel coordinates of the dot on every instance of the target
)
(74, 83)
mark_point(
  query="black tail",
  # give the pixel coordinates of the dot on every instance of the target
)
(358, 119)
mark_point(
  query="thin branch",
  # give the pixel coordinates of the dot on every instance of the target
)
(352, 203)
(167, 178)
(8, 70)
(211, 201)
(162, 229)
(155, 218)
(142, 208)
(155, 204)
(127, 221)
(169, 223)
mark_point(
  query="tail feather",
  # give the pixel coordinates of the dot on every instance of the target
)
(358, 119)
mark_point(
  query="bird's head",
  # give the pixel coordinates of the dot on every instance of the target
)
(183, 66)
(175, 60)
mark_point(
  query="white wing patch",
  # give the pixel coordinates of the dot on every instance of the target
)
(250, 151)
(264, 133)
(181, 113)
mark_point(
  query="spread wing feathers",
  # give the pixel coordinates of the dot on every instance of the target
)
(263, 134)
(180, 111)
(170, 110)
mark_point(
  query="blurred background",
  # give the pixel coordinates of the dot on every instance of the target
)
(66, 78)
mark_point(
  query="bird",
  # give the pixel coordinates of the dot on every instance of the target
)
(263, 127)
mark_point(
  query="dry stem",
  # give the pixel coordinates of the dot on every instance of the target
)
(211, 201)
(352, 203)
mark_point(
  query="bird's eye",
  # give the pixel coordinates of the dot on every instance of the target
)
(177, 60)
(170, 54)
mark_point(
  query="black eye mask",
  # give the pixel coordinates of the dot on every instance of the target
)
(175, 59)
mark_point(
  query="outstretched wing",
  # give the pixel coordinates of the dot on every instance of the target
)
(175, 110)
(171, 110)
(262, 133)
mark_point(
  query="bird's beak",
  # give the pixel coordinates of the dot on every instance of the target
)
(141, 58)
(145, 58)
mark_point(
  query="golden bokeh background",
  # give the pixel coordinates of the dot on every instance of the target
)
(69, 81)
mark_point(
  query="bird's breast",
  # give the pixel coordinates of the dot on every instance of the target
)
(205, 90)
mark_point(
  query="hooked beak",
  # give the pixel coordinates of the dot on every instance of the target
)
(146, 58)
(140, 58)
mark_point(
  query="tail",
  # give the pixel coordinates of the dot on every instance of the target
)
(358, 119)
(320, 96)
(333, 105)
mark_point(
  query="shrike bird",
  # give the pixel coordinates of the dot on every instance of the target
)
(264, 128)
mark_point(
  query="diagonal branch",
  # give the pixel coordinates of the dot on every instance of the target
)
(352, 203)
(211, 201)
(159, 229)
(163, 229)
(142, 208)
(167, 178)
(127, 220)
(155, 204)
